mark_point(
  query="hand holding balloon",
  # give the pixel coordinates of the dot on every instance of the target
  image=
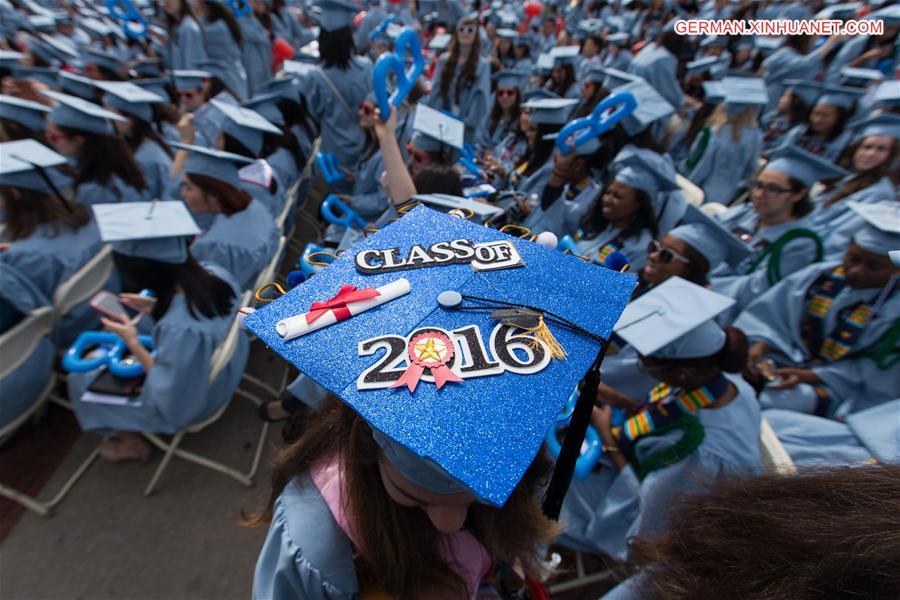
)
(408, 41)
(597, 123)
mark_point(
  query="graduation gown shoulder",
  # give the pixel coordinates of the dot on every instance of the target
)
(186, 48)
(115, 190)
(156, 167)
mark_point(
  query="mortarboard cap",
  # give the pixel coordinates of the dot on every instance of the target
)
(440, 42)
(881, 233)
(550, 111)
(82, 115)
(839, 95)
(32, 115)
(44, 51)
(710, 238)
(538, 93)
(9, 59)
(745, 91)
(155, 230)
(217, 164)
(713, 92)
(332, 15)
(839, 11)
(245, 125)
(674, 320)
(190, 79)
(104, 59)
(651, 106)
(544, 64)
(713, 40)
(267, 106)
(508, 34)
(884, 124)
(41, 22)
(22, 161)
(215, 68)
(129, 98)
(479, 433)
(147, 67)
(638, 170)
(888, 93)
(434, 130)
(70, 83)
(47, 75)
(285, 86)
(805, 167)
(564, 55)
(66, 51)
(808, 91)
(702, 65)
(889, 14)
(157, 85)
(768, 45)
(860, 77)
(510, 78)
(619, 39)
(614, 78)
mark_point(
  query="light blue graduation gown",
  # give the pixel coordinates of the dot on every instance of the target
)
(473, 105)
(866, 436)
(20, 389)
(830, 150)
(257, 52)
(534, 184)
(284, 167)
(209, 120)
(502, 131)
(273, 202)
(775, 318)
(744, 287)
(786, 63)
(156, 166)
(622, 371)
(242, 243)
(115, 190)
(368, 199)
(602, 511)
(837, 224)
(725, 164)
(306, 554)
(176, 392)
(341, 133)
(563, 216)
(659, 66)
(668, 207)
(287, 27)
(634, 247)
(850, 50)
(185, 49)
(221, 47)
(509, 149)
(621, 60)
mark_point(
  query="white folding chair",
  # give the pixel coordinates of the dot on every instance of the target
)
(581, 578)
(220, 359)
(693, 194)
(16, 346)
(772, 452)
(84, 283)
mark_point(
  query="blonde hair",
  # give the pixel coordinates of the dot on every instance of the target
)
(721, 117)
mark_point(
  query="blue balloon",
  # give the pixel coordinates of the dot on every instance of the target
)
(588, 457)
(240, 8)
(330, 167)
(133, 22)
(112, 352)
(587, 128)
(345, 217)
(307, 267)
(382, 26)
(407, 41)
(295, 278)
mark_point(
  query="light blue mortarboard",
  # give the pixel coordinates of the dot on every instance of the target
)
(189, 79)
(436, 130)
(70, 83)
(267, 106)
(155, 230)
(82, 115)
(635, 170)
(286, 86)
(614, 78)
(710, 238)
(481, 433)
(675, 320)
(768, 45)
(651, 107)
(884, 124)
(215, 68)
(713, 92)
(9, 59)
(129, 98)
(44, 51)
(702, 65)
(104, 59)
(619, 39)
(839, 11)
(564, 55)
(157, 85)
(440, 42)
(860, 77)
(47, 75)
(745, 91)
(805, 167)
(32, 115)
(22, 161)
(67, 51)
(713, 40)
(217, 164)
(245, 125)
(881, 233)
(508, 34)
(332, 15)
(511, 79)
(147, 67)
(808, 91)
(595, 74)
(888, 93)
(544, 64)
(550, 111)
(839, 95)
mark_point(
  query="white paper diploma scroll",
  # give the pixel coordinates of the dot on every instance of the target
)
(293, 327)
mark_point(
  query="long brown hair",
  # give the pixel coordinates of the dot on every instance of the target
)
(231, 199)
(102, 156)
(467, 76)
(402, 556)
(827, 534)
(863, 179)
(28, 209)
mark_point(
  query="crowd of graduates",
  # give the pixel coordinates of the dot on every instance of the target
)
(750, 195)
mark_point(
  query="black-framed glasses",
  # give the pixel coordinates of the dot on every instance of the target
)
(666, 254)
(768, 188)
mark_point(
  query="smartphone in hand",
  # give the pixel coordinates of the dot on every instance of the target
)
(108, 305)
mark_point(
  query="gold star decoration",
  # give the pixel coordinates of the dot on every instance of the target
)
(430, 350)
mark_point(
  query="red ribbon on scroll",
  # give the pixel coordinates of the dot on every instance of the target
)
(338, 304)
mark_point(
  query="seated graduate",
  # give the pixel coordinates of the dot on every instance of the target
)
(165, 114)
(775, 225)
(238, 232)
(293, 109)
(105, 170)
(792, 110)
(508, 141)
(825, 132)
(699, 424)
(46, 238)
(446, 499)
(870, 160)
(592, 91)
(725, 153)
(562, 80)
(783, 520)
(616, 54)
(195, 305)
(151, 152)
(832, 328)
(200, 122)
(281, 150)
(22, 119)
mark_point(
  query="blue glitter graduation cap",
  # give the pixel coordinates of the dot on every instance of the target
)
(483, 431)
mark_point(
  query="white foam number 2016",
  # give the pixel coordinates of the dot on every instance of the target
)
(511, 351)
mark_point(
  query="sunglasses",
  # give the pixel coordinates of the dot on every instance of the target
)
(506, 91)
(467, 29)
(666, 254)
(768, 188)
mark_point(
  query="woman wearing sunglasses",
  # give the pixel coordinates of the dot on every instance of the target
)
(462, 81)
(504, 118)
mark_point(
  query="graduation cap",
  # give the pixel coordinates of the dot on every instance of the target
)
(481, 211)
(808, 91)
(215, 68)
(82, 115)
(104, 59)
(544, 64)
(768, 45)
(888, 93)
(839, 11)
(674, 320)
(267, 106)
(613, 78)
(510, 78)
(129, 98)
(70, 83)
(481, 429)
(44, 51)
(805, 167)
(157, 85)
(210, 162)
(10, 59)
(651, 106)
(745, 91)
(440, 42)
(147, 67)
(711, 239)
(285, 86)
(619, 39)
(434, 130)
(46, 75)
(41, 23)
(646, 171)
(28, 164)
(860, 77)
(881, 233)
(702, 65)
(550, 111)
(839, 95)
(32, 115)
(190, 79)
(564, 55)
(591, 27)
(508, 34)
(889, 14)
(538, 93)
(332, 15)
(245, 125)
(66, 51)
(713, 92)
(155, 229)
(713, 40)
(884, 124)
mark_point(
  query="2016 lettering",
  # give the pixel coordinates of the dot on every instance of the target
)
(512, 352)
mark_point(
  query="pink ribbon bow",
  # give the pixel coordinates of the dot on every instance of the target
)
(338, 304)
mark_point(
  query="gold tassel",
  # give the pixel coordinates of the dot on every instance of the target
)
(542, 333)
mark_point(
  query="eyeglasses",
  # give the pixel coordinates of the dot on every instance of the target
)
(506, 91)
(666, 254)
(768, 188)
(467, 29)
